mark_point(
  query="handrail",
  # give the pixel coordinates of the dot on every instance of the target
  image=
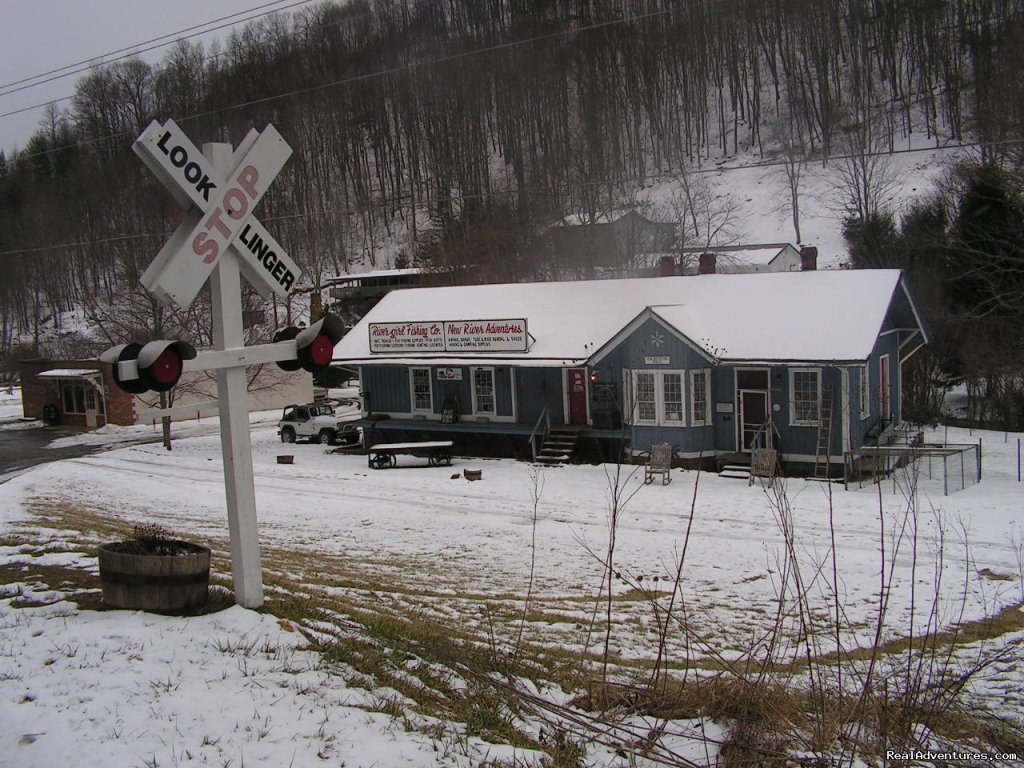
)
(545, 416)
(755, 441)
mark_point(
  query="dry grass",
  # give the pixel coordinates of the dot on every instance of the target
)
(377, 630)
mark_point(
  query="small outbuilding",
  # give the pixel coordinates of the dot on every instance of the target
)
(82, 393)
(807, 363)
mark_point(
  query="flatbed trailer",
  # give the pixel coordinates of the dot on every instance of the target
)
(384, 455)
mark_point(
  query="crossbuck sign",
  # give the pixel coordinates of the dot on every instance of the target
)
(218, 213)
(219, 240)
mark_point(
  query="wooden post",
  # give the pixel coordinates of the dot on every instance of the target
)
(233, 395)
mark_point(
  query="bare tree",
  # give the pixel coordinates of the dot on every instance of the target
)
(863, 180)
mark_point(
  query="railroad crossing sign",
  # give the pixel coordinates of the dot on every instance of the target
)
(218, 214)
(218, 240)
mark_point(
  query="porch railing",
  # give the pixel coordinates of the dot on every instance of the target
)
(545, 419)
(766, 436)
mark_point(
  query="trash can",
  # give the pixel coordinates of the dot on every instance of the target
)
(51, 415)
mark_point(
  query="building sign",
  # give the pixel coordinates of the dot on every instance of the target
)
(657, 360)
(449, 374)
(450, 336)
(407, 337)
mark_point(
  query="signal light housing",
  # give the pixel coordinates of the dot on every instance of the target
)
(158, 364)
(314, 345)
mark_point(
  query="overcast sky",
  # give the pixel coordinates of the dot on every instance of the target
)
(37, 36)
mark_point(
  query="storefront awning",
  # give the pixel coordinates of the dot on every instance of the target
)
(69, 373)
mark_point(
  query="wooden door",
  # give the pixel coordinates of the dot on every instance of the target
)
(577, 383)
(753, 413)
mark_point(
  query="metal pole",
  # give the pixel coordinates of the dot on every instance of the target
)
(232, 392)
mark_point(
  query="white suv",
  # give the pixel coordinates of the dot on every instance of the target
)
(315, 421)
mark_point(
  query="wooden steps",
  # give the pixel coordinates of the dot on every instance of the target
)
(558, 447)
(735, 472)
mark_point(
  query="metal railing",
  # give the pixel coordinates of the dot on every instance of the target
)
(934, 469)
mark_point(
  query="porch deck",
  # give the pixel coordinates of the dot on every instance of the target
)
(490, 438)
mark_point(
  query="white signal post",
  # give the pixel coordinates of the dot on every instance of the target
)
(217, 214)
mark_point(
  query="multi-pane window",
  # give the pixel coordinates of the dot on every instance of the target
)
(483, 391)
(805, 395)
(672, 397)
(659, 397)
(646, 398)
(700, 412)
(80, 398)
(422, 398)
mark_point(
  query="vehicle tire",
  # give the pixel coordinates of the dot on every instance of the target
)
(326, 437)
(287, 435)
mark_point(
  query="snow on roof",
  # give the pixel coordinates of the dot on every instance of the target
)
(67, 373)
(827, 315)
(752, 256)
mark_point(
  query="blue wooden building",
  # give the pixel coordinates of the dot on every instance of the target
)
(807, 362)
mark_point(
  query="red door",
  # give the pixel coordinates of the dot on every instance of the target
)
(577, 380)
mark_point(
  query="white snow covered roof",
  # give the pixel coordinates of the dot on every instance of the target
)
(785, 316)
(752, 256)
(67, 373)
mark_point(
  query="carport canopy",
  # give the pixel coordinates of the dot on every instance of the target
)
(82, 374)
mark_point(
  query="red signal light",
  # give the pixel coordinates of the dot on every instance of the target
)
(321, 351)
(167, 368)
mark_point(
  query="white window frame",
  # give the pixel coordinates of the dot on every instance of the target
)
(88, 396)
(663, 411)
(705, 420)
(865, 388)
(494, 391)
(412, 389)
(660, 412)
(793, 421)
(635, 389)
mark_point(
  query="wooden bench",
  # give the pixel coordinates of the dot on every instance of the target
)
(383, 455)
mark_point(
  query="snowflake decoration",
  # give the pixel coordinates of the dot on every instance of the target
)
(657, 339)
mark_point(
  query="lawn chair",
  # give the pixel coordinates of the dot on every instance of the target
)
(659, 462)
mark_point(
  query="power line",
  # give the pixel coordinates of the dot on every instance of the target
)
(136, 52)
(104, 56)
(346, 20)
(372, 75)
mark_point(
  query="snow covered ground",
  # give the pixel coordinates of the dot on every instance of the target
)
(238, 687)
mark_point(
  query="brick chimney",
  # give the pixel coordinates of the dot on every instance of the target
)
(706, 264)
(808, 258)
(666, 266)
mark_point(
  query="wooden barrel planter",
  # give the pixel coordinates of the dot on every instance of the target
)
(173, 580)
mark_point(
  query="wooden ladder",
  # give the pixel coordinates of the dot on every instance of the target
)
(824, 448)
